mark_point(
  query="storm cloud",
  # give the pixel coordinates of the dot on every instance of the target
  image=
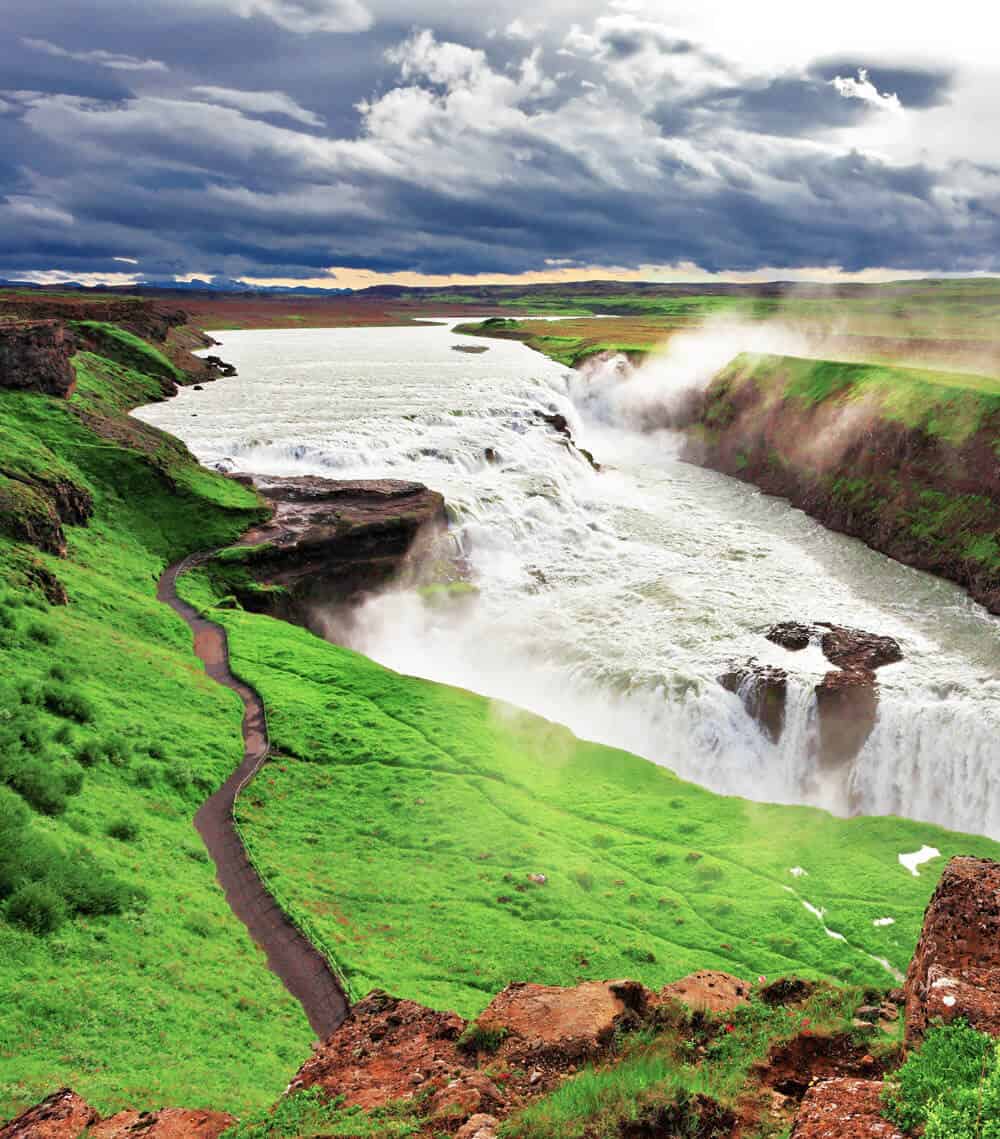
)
(280, 138)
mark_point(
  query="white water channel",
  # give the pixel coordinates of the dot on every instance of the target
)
(611, 601)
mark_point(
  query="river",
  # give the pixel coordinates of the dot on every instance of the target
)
(612, 601)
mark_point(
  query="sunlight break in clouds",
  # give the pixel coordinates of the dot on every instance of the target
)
(864, 89)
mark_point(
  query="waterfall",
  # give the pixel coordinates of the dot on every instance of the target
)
(613, 601)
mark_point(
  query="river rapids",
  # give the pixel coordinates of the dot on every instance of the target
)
(611, 601)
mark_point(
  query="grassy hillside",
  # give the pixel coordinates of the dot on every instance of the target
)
(122, 971)
(405, 819)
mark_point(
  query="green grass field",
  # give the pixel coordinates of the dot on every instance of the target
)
(146, 990)
(404, 818)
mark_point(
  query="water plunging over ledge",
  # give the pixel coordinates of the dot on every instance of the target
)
(613, 601)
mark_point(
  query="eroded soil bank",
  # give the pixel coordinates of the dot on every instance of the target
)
(902, 460)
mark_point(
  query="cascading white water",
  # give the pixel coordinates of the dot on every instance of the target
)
(612, 601)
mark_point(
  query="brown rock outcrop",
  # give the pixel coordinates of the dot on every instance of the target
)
(63, 1115)
(330, 541)
(790, 635)
(854, 650)
(544, 1024)
(35, 356)
(387, 1049)
(708, 991)
(847, 699)
(955, 971)
(844, 1109)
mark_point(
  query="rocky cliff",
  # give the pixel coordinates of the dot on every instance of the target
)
(35, 355)
(327, 542)
(906, 460)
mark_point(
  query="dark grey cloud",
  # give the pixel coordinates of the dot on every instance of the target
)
(277, 138)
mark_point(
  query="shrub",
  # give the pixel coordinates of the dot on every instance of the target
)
(90, 752)
(62, 700)
(42, 787)
(945, 1086)
(42, 634)
(145, 774)
(72, 780)
(125, 830)
(37, 908)
(118, 751)
(88, 889)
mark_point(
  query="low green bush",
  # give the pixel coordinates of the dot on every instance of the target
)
(950, 1087)
(62, 700)
(37, 908)
(125, 830)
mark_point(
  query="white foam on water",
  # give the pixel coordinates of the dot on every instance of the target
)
(612, 601)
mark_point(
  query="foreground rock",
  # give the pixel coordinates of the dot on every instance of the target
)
(65, 1115)
(844, 1109)
(546, 1025)
(955, 971)
(387, 1049)
(330, 541)
(708, 991)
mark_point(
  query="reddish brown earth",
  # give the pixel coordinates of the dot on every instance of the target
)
(544, 1025)
(387, 1049)
(169, 1123)
(65, 1115)
(955, 971)
(791, 1068)
(844, 1109)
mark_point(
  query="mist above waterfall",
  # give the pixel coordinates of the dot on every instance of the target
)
(664, 391)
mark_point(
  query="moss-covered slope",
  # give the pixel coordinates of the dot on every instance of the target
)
(906, 459)
(122, 971)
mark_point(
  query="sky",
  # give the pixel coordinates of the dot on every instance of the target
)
(355, 142)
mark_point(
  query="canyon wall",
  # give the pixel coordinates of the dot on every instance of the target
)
(905, 460)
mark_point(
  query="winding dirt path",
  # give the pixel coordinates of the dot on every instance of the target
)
(292, 957)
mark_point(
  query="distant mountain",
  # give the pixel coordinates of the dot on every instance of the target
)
(220, 285)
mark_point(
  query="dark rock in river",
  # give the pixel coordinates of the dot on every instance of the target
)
(855, 649)
(847, 703)
(790, 635)
(557, 422)
(471, 349)
(764, 693)
(847, 699)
